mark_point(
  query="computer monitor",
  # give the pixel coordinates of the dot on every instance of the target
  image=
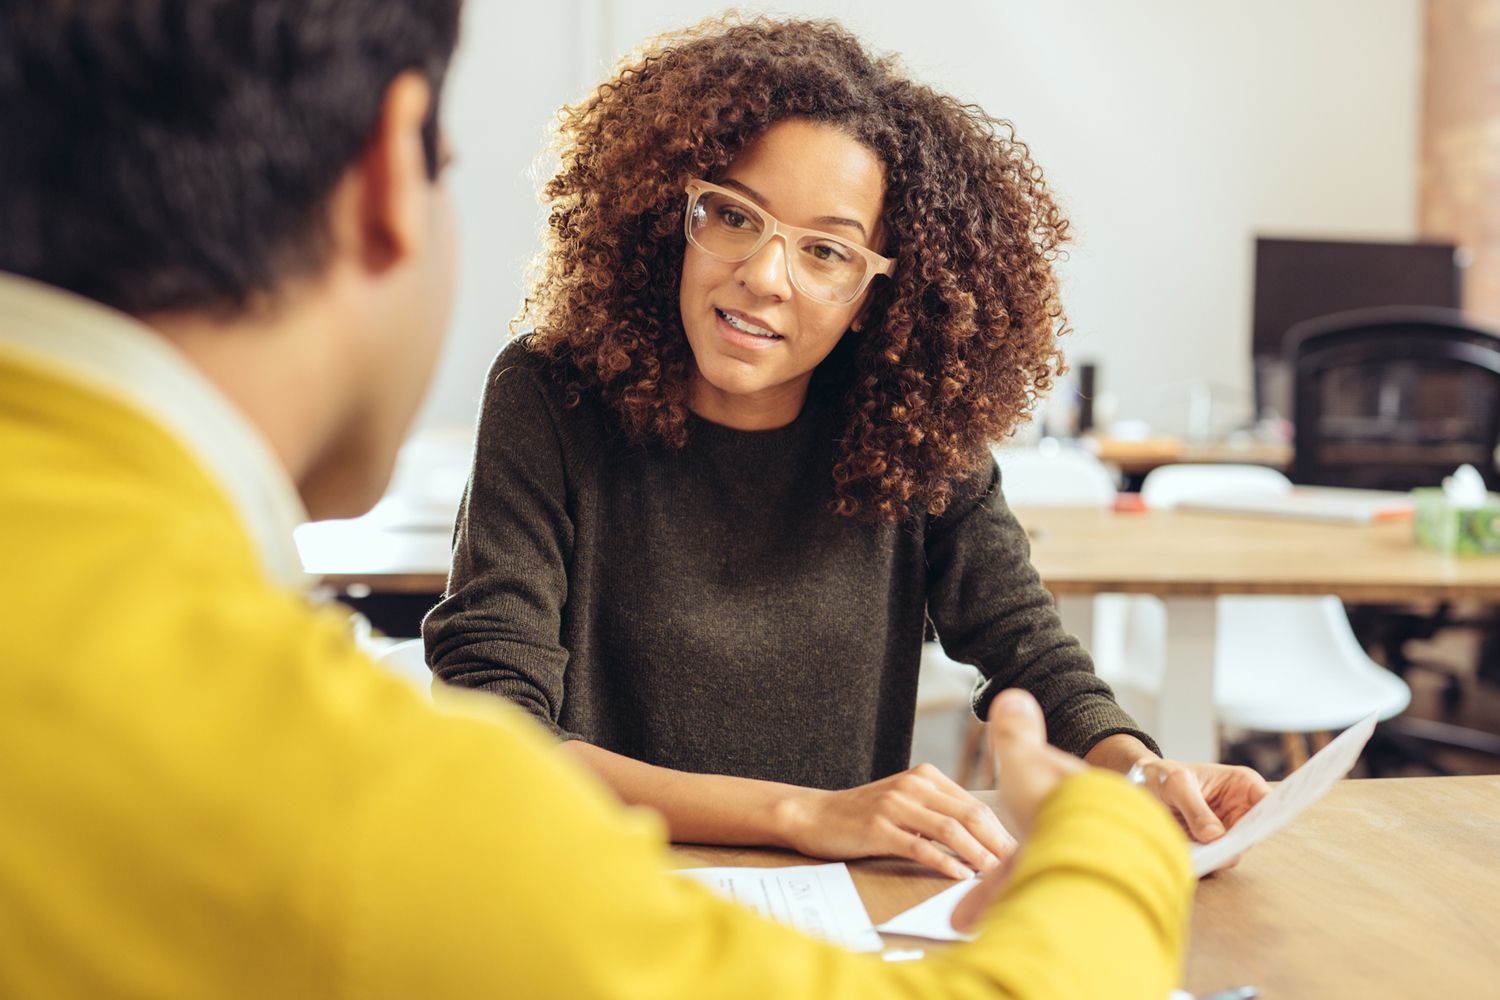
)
(1297, 280)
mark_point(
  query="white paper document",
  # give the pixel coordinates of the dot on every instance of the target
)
(1288, 799)
(816, 899)
(1309, 783)
(932, 918)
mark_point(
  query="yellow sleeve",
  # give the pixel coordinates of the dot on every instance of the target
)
(487, 864)
(1097, 903)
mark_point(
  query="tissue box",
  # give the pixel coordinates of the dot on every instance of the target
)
(1439, 525)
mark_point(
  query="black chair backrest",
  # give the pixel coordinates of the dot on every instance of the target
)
(1393, 398)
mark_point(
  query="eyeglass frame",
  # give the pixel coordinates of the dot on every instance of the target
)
(875, 264)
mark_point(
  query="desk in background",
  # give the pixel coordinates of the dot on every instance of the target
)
(1189, 559)
(393, 576)
(1135, 459)
(1385, 889)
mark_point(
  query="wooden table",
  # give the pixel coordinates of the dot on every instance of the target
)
(1076, 550)
(1386, 888)
(1080, 550)
(1188, 559)
(361, 556)
(1137, 458)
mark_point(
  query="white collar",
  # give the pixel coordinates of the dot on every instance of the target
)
(118, 355)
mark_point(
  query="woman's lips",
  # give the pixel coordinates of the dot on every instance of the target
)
(741, 338)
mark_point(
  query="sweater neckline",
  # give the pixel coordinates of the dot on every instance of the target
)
(703, 429)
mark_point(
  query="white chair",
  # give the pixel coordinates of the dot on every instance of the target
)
(408, 660)
(1281, 664)
(1167, 486)
(943, 683)
(1054, 476)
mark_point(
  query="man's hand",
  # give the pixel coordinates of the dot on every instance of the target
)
(1028, 770)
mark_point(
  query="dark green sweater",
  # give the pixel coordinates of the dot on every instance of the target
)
(702, 610)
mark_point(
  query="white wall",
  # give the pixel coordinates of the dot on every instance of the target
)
(1172, 130)
(516, 65)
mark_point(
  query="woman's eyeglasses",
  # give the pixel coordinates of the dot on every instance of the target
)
(728, 226)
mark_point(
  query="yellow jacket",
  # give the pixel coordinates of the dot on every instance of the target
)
(207, 791)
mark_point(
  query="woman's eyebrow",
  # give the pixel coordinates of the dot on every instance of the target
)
(825, 220)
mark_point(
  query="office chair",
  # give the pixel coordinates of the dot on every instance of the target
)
(1396, 398)
(1393, 398)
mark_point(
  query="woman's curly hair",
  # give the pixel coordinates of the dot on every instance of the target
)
(954, 350)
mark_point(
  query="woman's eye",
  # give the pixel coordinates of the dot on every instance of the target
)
(828, 253)
(734, 218)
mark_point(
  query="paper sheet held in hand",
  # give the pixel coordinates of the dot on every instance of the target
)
(1306, 785)
(816, 899)
(1287, 800)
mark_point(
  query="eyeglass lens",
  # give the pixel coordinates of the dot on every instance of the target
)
(730, 229)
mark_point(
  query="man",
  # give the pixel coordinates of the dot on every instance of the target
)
(225, 259)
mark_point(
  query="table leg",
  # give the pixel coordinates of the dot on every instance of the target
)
(1187, 726)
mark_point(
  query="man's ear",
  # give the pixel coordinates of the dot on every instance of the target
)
(386, 205)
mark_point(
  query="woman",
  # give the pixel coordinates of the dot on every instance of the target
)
(788, 298)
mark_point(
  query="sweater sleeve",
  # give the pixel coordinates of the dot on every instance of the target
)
(537, 885)
(990, 609)
(498, 626)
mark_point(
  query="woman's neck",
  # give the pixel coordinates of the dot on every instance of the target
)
(761, 411)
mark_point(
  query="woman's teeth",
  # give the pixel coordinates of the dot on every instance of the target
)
(746, 327)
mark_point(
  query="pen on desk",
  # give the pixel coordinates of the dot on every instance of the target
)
(1238, 993)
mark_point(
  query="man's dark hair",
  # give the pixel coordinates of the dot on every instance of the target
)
(161, 155)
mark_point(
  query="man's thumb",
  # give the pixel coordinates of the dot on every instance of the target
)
(1016, 722)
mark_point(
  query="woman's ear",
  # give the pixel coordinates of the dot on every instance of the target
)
(857, 324)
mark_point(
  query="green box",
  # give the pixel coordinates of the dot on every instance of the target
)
(1441, 526)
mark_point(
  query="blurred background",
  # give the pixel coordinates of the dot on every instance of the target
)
(1174, 133)
(1230, 170)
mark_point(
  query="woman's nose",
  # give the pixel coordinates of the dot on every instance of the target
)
(765, 273)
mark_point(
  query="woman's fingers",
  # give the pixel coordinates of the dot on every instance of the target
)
(915, 814)
(936, 826)
(979, 818)
(1231, 791)
(925, 852)
(1181, 791)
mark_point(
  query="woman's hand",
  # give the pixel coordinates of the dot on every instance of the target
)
(914, 814)
(1207, 799)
